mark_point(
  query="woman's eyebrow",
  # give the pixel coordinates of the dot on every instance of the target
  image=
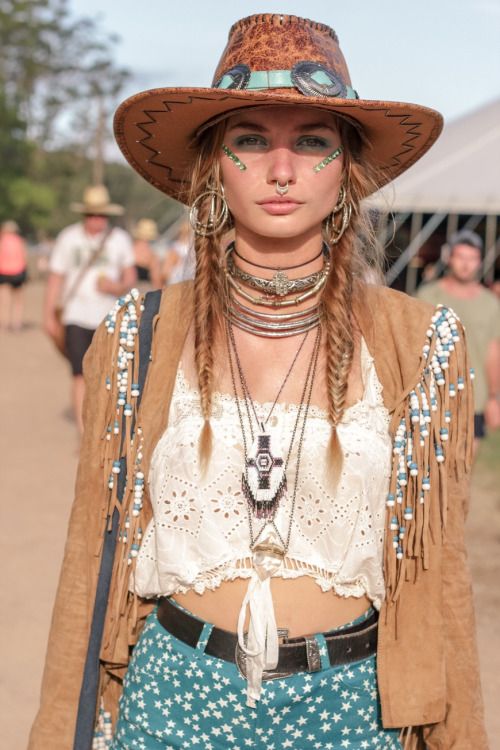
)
(257, 128)
(316, 126)
(247, 125)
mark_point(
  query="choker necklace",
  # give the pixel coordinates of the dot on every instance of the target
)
(268, 301)
(324, 250)
(279, 286)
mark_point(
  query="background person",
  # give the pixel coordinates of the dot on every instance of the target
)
(147, 263)
(176, 265)
(91, 264)
(13, 275)
(479, 310)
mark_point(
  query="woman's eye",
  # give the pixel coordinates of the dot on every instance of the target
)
(250, 141)
(313, 142)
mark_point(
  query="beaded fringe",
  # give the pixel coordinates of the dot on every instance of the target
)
(123, 438)
(428, 423)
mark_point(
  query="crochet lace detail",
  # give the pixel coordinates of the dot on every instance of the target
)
(198, 536)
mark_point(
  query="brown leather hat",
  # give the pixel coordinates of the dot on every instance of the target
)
(269, 59)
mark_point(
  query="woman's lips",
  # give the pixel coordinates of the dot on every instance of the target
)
(279, 206)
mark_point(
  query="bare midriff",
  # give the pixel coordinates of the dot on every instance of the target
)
(299, 604)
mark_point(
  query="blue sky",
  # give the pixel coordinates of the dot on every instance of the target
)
(441, 53)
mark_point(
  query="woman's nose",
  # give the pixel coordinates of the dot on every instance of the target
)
(281, 167)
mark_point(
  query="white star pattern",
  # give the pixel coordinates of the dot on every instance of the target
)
(177, 697)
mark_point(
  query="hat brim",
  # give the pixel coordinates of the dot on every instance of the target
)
(111, 209)
(155, 129)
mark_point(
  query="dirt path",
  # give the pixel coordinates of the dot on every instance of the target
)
(38, 459)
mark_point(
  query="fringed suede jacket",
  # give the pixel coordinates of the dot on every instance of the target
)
(427, 662)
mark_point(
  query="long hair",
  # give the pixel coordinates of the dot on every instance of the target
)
(357, 256)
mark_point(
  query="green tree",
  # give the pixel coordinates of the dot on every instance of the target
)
(58, 86)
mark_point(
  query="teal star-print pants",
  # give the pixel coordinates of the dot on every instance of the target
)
(178, 697)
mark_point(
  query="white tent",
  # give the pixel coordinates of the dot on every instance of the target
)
(460, 175)
(461, 172)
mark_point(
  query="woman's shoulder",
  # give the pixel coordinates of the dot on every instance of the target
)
(392, 302)
(386, 314)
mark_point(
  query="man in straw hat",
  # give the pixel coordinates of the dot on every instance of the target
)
(91, 264)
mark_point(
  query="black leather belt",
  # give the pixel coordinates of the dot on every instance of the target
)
(295, 654)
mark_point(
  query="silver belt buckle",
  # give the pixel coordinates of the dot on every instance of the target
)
(240, 659)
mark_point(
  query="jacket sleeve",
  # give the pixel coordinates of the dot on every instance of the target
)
(54, 725)
(463, 727)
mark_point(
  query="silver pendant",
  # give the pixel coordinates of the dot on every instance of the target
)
(267, 556)
(282, 283)
(264, 480)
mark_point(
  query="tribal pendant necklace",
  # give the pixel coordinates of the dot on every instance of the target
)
(264, 479)
(268, 546)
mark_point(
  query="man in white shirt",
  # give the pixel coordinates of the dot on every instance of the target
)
(91, 264)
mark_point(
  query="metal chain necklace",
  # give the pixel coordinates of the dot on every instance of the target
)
(268, 552)
(264, 487)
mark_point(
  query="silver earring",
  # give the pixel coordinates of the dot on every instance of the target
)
(333, 231)
(217, 214)
(281, 189)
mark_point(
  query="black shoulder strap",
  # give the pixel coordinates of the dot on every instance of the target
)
(86, 716)
(151, 306)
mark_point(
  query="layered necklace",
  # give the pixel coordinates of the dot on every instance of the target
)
(278, 292)
(264, 479)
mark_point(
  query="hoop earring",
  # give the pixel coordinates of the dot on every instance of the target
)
(217, 214)
(334, 231)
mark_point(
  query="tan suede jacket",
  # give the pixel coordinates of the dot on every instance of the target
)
(427, 662)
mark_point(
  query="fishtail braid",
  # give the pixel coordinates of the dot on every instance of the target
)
(208, 284)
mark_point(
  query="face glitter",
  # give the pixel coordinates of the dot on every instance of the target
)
(328, 159)
(231, 155)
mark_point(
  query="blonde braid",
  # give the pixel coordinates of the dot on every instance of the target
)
(356, 256)
(336, 305)
(208, 284)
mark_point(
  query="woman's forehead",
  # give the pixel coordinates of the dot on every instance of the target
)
(296, 117)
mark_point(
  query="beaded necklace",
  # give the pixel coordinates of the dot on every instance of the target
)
(269, 552)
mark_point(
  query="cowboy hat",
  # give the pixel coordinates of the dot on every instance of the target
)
(145, 229)
(269, 59)
(96, 201)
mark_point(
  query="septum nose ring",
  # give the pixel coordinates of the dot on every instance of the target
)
(281, 189)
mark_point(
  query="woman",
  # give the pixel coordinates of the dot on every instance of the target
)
(13, 264)
(305, 438)
(147, 263)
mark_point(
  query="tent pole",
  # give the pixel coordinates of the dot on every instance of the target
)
(491, 248)
(413, 248)
(451, 225)
(411, 271)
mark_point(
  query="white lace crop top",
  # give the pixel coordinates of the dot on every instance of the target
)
(199, 536)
